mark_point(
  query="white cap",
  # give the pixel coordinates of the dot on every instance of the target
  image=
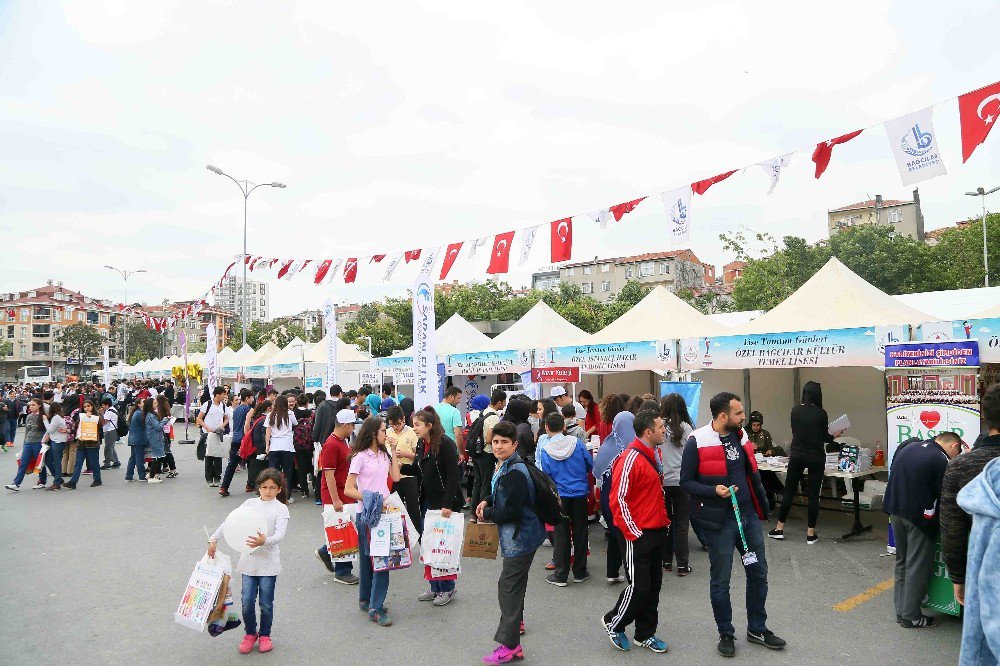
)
(346, 416)
(557, 392)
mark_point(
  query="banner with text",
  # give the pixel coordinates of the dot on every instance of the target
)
(330, 324)
(394, 363)
(425, 375)
(842, 347)
(555, 375)
(987, 331)
(211, 356)
(488, 363)
(951, 354)
(617, 357)
(286, 369)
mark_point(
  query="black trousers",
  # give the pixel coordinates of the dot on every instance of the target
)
(511, 586)
(213, 469)
(795, 468)
(254, 468)
(284, 462)
(482, 466)
(408, 488)
(304, 470)
(574, 513)
(614, 535)
(679, 512)
(643, 567)
(231, 465)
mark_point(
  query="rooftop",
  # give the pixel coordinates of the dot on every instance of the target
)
(862, 205)
(649, 256)
(56, 294)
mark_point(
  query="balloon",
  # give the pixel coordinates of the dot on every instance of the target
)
(242, 524)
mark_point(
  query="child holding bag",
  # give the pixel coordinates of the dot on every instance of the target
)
(261, 567)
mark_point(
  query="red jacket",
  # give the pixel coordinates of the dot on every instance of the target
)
(637, 492)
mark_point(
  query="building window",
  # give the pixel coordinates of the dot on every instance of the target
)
(605, 268)
(262, 289)
(262, 302)
(10, 332)
(41, 312)
(24, 332)
(104, 318)
(606, 286)
(895, 216)
(39, 348)
(628, 272)
(587, 270)
(665, 268)
(25, 314)
(647, 268)
(40, 330)
(570, 272)
(58, 314)
(80, 316)
(587, 287)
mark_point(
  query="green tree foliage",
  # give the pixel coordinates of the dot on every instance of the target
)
(79, 341)
(143, 343)
(6, 348)
(277, 332)
(196, 347)
(630, 294)
(959, 254)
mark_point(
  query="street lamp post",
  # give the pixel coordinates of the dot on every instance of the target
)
(126, 274)
(981, 192)
(369, 339)
(246, 187)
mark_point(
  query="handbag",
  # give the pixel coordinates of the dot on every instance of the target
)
(202, 445)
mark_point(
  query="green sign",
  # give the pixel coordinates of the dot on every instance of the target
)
(941, 591)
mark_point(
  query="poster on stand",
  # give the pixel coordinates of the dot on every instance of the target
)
(986, 331)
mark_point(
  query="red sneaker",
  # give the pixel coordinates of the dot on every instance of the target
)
(247, 643)
(265, 644)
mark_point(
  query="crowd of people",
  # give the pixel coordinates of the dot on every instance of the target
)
(653, 477)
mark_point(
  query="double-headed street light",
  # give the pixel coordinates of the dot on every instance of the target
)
(126, 274)
(981, 192)
(246, 187)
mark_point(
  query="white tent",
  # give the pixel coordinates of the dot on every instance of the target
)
(954, 303)
(734, 319)
(293, 352)
(834, 298)
(259, 360)
(989, 313)
(456, 336)
(241, 357)
(345, 353)
(658, 316)
(541, 326)
(226, 356)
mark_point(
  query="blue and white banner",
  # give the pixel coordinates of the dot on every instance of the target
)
(488, 363)
(617, 357)
(914, 144)
(425, 375)
(255, 371)
(987, 331)
(330, 324)
(314, 382)
(395, 363)
(230, 371)
(286, 369)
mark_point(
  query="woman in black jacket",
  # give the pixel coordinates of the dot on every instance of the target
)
(517, 412)
(438, 461)
(810, 433)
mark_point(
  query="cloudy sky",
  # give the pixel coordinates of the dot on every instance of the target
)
(404, 125)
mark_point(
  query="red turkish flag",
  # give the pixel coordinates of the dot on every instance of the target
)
(411, 255)
(285, 267)
(377, 258)
(702, 186)
(621, 209)
(351, 270)
(322, 270)
(562, 239)
(977, 112)
(253, 262)
(229, 268)
(449, 259)
(500, 256)
(824, 151)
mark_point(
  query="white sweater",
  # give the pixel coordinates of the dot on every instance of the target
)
(52, 430)
(266, 560)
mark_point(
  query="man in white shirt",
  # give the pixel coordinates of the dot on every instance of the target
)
(213, 417)
(109, 433)
(561, 398)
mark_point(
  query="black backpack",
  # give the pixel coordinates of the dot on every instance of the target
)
(474, 439)
(547, 507)
(122, 427)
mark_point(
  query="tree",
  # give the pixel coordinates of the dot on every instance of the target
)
(6, 348)
(960, 253)
(582, 311)
(633, 292)
(706, 302)
(79, 341)
(143, 343)
(768, 281)
(894, 263)
(196, 347)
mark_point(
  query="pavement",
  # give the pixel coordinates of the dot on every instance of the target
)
(93, 576)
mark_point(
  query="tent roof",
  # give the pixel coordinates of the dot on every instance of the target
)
(226, 356)
(293, 352)
(345, 353)
(263, 355)
(954, 303)
(734, 319)
(245, 353)
(659, 315)
(835, 297)
(989, 313)
(456, 336)
(541, 326)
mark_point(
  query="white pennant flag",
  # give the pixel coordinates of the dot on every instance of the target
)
(601, 217)
(677, 204)
(773, 168)
(333, 272)
(527, 240)
(427, 263)
(391, 268)
(475, 245)
(914, 144)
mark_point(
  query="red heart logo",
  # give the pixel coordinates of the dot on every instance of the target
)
(930, 418)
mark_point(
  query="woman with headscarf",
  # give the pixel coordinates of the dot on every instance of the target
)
(622, 434)
(810, 434)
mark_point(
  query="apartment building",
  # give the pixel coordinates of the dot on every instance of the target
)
(905, 217)
(229, 297)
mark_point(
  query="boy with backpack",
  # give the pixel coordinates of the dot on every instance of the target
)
(480, 448)
(303, 443)
(110, 432)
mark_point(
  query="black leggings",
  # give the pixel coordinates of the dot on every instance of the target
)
(795, 468)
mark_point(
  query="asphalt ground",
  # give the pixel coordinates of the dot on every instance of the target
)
(93, 576)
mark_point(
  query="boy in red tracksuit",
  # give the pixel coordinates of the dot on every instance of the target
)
(638, 510)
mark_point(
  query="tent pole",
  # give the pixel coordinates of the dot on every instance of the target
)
(746, 391)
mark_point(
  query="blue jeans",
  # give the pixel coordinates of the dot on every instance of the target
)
(136, 460)
(262, 586)
(234, 461)
(53, 459)
(339, 568)
(374, 585)
(28, 455)
(93, 458)
(439, 586)
(722, 541)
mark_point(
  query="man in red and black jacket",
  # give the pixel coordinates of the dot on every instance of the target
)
(717, 457)
(638, 510)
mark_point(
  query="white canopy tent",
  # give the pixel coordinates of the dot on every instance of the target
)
(954, 303)
(541, 326)
(455, 336)
(659, 315)
(259, 361)
(351, 361)
(989, 313)
(244, 354)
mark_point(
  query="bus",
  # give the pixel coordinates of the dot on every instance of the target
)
(34, 373)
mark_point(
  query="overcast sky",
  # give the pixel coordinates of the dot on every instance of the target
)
(401, 126)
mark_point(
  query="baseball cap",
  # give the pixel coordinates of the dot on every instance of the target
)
(557, 392)
(346, 416)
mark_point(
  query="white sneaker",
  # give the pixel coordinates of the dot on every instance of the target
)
(444, 598)
(38, 486)
(291, 500)
(213, 485)
(11, 486)
(152, 480)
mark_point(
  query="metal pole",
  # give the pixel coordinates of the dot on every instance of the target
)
(125, 324)
(243, 300)
(986, 257)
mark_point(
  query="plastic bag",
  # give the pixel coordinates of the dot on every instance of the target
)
(441, 544)
(202, 591)
(341, 533)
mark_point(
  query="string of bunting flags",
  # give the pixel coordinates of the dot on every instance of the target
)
(912, 141)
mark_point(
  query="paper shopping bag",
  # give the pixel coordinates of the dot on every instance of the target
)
(202, 591)
(88, 431)
(481, 540)
(341, 534)
(35, 466)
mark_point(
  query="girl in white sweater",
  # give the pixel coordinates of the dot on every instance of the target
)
(56, 433)
(261, 567)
